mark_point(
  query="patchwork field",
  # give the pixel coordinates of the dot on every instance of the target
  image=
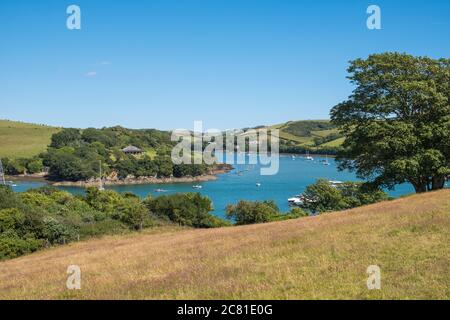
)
(324, 257)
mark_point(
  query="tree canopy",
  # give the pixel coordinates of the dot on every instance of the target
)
(76, 155)
(397, 121)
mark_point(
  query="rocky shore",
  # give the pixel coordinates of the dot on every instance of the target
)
(130, 180)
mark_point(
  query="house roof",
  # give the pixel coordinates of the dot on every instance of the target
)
(131, 149)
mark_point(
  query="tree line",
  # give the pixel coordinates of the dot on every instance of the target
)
(77, 155)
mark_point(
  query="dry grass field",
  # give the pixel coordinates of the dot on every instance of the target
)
(324, 257)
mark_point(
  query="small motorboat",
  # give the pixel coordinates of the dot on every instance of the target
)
(160, 190)
(197, 187)
(258, 184)
(335, 183)
(296, 200)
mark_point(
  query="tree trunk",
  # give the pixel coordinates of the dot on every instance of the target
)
(419, 186)
(438, 183)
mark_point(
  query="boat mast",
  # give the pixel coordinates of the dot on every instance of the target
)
(2, 174)
(101, 177)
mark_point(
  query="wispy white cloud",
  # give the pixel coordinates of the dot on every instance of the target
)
(91, 74)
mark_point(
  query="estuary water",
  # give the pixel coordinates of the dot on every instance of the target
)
(246, 183)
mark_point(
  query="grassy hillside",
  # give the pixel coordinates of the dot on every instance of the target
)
(320, 257)
(19, 139)
(303, 133)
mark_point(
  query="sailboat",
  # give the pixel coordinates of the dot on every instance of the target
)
(308, 157)
(325, 162)
(2, 174)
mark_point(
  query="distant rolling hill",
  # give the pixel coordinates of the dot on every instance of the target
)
(18, 139)
(321, 257)
(314, 134)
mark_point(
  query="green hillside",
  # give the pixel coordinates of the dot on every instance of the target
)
(315, 135)
(18, 139)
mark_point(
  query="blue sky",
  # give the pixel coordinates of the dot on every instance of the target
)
(163, 64)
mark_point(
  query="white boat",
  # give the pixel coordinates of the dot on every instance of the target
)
(308, 157)
(335, 183)
(160, 190)
(197, 187)
(325, 162)
(296, 200)
(258, 184)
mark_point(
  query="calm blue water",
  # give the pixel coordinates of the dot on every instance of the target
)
(292, 179)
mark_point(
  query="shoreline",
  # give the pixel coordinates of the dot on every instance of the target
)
(212, 176)
(134, 181)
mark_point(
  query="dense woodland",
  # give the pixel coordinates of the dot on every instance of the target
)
(76, 155)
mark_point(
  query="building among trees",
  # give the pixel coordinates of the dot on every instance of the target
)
(132, 150)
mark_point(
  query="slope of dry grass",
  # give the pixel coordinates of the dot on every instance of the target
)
(323, 257)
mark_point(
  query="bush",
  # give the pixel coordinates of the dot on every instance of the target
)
(323, 196)
(247, 212)
(105, 201)
(104, 227)
(66, 138)
(9, 199)
(133, 213)
(12, 246)
(10, 219)
(189, 209)
(35, 166)
(56, 232)
(295, 213)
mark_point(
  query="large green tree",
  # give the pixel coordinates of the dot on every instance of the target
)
(397, 121)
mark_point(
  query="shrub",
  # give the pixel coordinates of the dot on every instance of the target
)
(323, 196)
(12, 246)
(35, 166)
(56, 232)
(191, 209)
(10, 219)
(247, 212)
(104, 227)
(133, 213)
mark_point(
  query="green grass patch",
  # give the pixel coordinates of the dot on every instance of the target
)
(19, 139)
